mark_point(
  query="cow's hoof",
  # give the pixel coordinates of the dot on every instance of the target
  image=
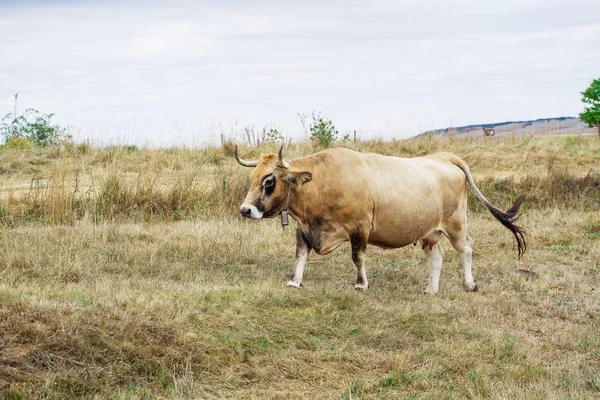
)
(361, 286)
(470, 287)
(430, 291)
(292, 284)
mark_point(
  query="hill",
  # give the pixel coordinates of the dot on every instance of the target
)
(542, 126)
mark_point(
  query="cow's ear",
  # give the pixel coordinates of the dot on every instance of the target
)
(303, 177)
(299, 178)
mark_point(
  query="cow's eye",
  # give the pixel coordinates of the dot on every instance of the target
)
(269, 185)
(269, 182)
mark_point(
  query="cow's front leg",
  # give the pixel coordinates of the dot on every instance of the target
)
(359, 246)
(302, 251)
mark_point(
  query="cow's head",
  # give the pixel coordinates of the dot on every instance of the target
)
(271, 181)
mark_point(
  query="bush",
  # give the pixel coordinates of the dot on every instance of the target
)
(31, 126)
(322, 131)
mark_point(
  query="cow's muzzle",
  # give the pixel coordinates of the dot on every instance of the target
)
(250, 211)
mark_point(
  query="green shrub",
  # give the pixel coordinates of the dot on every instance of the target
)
(322, 131)
(31, 126)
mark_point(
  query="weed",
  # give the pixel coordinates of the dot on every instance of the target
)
(593, 383)
(561, 248)
(322, 131)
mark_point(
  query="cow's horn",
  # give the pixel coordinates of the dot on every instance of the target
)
(244, 162)
(282, 162)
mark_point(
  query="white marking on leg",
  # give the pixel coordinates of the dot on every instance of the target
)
(302, 251)
(435, 259)
(358, 257)
(296, 280)
(466, 260)
(361, 281)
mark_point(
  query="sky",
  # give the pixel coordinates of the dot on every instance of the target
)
(183, 73)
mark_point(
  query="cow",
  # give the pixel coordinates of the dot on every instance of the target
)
(340, 195)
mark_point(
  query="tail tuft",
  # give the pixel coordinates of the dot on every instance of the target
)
(508, 218)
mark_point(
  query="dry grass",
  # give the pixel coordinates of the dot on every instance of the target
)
(125, 183)
(127, 274)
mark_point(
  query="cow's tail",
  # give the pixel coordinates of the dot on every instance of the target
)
(507, 218)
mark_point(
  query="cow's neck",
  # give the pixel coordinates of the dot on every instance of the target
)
(299, 196)
(295, 207)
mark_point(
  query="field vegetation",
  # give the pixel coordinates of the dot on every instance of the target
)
(127, 273)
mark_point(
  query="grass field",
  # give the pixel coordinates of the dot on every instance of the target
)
(128, 274)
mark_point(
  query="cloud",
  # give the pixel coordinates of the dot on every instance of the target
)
(389, 68)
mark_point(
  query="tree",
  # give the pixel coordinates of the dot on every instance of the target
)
(591, 97)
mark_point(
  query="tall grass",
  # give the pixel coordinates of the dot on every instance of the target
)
(62, 187)
(58, 201)
(559, 189)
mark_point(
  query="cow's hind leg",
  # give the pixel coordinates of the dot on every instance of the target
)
(462, 242)
(435, 255)
(359, 247)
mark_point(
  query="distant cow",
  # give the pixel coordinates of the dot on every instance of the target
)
(339, 195)
(489, 132)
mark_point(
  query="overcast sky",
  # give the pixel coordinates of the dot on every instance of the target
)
(182, 73)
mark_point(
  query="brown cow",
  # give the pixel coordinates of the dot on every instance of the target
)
(339, 195)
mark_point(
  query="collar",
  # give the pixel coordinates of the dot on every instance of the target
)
(284, 213)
